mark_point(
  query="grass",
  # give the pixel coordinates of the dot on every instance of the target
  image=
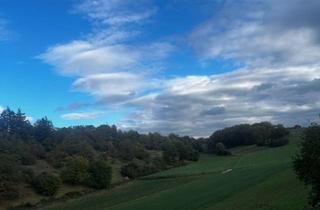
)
(116, 175)
(261, 178)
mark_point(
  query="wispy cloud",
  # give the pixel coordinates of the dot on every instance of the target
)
(116, 12)
(83, 115)
(262, 33)
(82, 58)
(4, 31)
(107, 64)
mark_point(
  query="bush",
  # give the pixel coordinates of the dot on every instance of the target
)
(46, 184)
(27, 158)
(27, 175)
(8, 192)
(159, 163)
(99, 175)
(221, 150)
(141, 154)
(193, 156)
(170, 154)
(130, 170)
(9, 177)
(278, 142)
(134, 170)
(75, 170)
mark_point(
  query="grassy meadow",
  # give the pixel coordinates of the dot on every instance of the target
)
(253, 178)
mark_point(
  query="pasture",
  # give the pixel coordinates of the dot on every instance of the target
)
(252, 178)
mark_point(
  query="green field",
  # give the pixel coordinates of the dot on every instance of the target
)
(253, 178)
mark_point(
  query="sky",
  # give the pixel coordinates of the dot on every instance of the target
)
(184, 66)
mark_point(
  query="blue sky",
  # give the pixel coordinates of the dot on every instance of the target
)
(181, 66)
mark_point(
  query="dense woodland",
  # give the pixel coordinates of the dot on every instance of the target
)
(82, 154)
(261, 134)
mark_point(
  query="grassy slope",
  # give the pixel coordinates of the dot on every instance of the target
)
(261, 178)
(30, 196)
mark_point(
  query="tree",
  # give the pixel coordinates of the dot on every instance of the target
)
(75, 169)
(130, 170)
(307, 163)
(46, 184)
(12, 123)
(279, 141)
(134, 170)
(99, 175)
(8, 176)
(73, 152)
(261, 134)
(221, 150)
(170, 154)
(43, 128)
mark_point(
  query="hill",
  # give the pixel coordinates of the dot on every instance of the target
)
(252, 178)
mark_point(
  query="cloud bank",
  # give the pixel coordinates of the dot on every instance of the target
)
(197, 105)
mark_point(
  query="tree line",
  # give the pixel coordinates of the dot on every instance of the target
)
(260, 134)
(83, 155)
(79, 155)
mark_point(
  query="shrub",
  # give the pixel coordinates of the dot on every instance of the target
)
(134, 170)
(8, 191)
(193, 156)
(27, 158)
(75, 170)
(278, 142)
(221, 150)
(99, 175)
(159, 163)
(141, 154)
(8, 177)
(46, 184)
(170, 154)
(130, 170)
(27, 175)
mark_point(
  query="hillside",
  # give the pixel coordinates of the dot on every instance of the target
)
(253, 178)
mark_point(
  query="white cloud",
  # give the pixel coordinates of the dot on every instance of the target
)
(116, 12)
(277, 43)
(81, 58)
(83, 115)
(107, 64)
(30, 119)
(111, 87)
(198, 105)
(1, 109)
(262, 33)
(109, 48)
